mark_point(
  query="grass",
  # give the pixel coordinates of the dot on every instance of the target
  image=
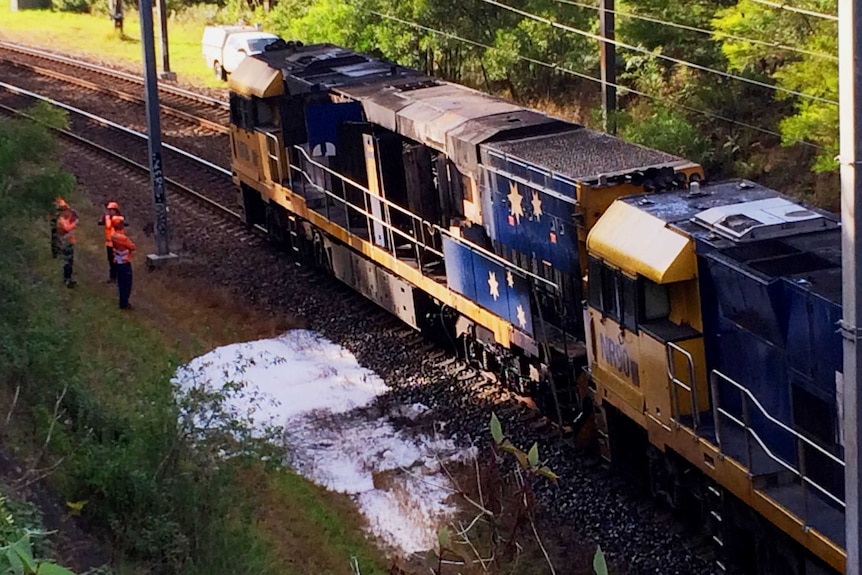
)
(113, 446)
(94, 36)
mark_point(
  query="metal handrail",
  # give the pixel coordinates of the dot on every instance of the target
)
(746, 393)
(272, 137)
(793, 432)
(366, 213)
(779, 460)
(475, 247)
(692, 390)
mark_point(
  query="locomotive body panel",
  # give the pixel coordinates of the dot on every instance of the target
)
(765, 420)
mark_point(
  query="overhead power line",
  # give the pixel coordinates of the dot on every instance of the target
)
(702, 30)
(581, 75)
(789, 8)
(627, 46)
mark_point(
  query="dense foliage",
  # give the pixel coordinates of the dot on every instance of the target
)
(95, 413)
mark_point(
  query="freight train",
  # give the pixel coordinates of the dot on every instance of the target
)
(693, 322)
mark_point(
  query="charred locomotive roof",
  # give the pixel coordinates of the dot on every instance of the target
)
(322, 67)
(806, 252)
(583, 154)
(454, 119)
(449, 117)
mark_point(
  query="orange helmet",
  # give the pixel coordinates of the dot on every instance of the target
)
(118, 221)
(113, 206)
(61, 204)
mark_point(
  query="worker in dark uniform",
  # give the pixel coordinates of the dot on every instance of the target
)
(66, 225)
(112, 209)
(56, 244)
(123, 250)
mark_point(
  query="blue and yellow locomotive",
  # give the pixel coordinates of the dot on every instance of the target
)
(694, 321)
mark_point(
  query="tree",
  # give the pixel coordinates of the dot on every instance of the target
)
(813, 72)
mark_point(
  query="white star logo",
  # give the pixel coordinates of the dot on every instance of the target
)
(515, 207)
(510, 279)
(522, 317)
(493, 285)
(537, 205)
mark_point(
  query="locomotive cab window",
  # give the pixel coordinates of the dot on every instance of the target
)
(263, 116)
(613, 293)
(250, 113)
(242, 112)
(655, 301)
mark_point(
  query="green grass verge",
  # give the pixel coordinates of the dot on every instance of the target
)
(95, 401)
(93, 35)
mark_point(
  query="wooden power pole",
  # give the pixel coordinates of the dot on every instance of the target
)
(609, 64)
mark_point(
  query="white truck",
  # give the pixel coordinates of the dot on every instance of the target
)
(224, 47)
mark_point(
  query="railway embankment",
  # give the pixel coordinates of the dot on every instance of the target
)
(91, 433)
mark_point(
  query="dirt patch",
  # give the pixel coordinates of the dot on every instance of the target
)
(73, 543)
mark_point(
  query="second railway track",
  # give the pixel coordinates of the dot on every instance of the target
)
(195, 122)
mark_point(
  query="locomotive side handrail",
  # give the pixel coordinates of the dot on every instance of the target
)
(366, 213)
(272, 154)
(747, 396)
(691, 389)
(391, 205)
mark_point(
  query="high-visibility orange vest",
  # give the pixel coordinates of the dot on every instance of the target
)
(123, 247)
(66, 227)
(109, 230)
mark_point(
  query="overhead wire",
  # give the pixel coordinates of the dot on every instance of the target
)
(788, 8)
(718, 33)
(641, 50)
(577, 74)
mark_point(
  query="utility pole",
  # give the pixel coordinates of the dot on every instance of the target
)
(154, 133)
(609, 64)
(850, 83)
(117, 15)
(163, 35)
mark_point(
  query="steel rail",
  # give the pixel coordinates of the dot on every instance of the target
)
(110, 124)
(111, 72)
(119, 157)
(170, 110)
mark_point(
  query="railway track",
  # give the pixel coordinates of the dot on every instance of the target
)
(191, 121)
(216, 245)
(207, 112)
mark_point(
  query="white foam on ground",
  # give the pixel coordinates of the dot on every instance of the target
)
(314, 388)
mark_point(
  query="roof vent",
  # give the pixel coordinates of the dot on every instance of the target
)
(762, 219)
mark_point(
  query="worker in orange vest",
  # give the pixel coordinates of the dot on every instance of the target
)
(112, 209)
(56, 244)
(123, 250)
(66, 225)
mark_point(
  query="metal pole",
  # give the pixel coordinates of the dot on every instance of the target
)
(163, 36)
(154, 133)
(609, 64)
(850, 81)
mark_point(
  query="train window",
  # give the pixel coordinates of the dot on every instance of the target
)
(241, 112)
(610, 293)
(594, 279)
(656, 300)
(263, 116)
(628, 299)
